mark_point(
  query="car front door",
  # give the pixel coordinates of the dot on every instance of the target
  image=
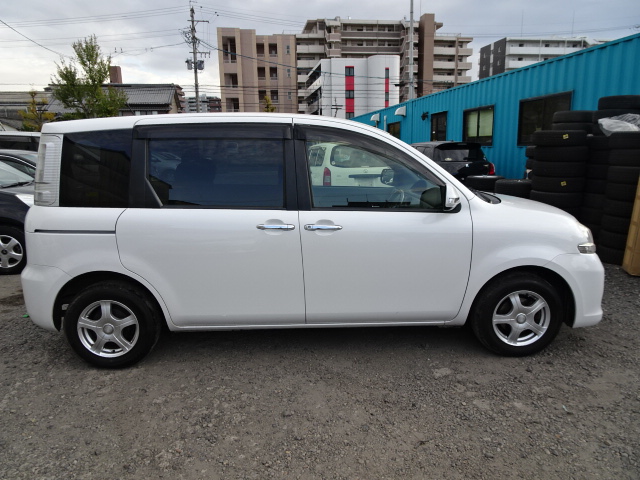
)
(219, 242)
(381, 254)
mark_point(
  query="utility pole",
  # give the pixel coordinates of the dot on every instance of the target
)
(192, 39)
(411, 91)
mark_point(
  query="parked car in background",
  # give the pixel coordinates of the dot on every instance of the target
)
(20, 140)
(340, 164)
(251, 234)
(460, 159)
(23, 160)
(16, 196)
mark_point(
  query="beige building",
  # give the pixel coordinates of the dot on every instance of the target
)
(253, 67)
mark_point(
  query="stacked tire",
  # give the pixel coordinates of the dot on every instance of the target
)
(596, 183)
(573, 120)
(619, 196)
(559, 168)
(614, 106)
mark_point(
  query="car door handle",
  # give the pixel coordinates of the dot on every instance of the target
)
(275, 227)
(325, 228)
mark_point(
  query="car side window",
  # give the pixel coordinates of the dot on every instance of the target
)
(220, 173)
(357, 175)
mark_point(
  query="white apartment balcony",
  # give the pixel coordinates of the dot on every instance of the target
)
(333, 52)
(349, 35)
(465, 52)
(370, 50)
(307, 63)
(541, 50)
(452, 65)
(514, 64)
(316, 49)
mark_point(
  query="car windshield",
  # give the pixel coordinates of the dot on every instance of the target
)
(10, 176)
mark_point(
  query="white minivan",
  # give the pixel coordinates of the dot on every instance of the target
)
(238, 233)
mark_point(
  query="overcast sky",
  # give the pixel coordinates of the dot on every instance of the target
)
(145, 37)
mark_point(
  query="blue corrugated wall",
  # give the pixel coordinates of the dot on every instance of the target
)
(609, 69)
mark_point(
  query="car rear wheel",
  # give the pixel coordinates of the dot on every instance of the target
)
(112, 325)
(518, 314)
(13, 256)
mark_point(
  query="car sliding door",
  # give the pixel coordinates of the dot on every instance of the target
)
(217, 240)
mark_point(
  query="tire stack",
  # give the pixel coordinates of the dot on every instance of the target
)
(559, 168)
(596, 183)
(620, 194)
(573, 120)
(614, 106)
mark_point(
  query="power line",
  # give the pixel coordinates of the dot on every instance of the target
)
(33, 41)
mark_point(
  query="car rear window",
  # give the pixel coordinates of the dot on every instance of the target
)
(457, 154)
(95, 169)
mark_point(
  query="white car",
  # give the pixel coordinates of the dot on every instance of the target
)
(340, 164)
(246, 236)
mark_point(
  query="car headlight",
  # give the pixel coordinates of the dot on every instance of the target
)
(25, 198)
(588, 246)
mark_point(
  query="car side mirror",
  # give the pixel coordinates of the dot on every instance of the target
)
(386, 176)
(451, 197)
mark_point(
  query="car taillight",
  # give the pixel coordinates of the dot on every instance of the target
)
(326, 177)
(492, 169)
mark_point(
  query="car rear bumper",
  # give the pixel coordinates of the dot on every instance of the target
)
(41, 285)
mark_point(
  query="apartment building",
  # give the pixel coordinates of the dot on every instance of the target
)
(253, 67)
(348, 87)
(439, 62)
(516, 52)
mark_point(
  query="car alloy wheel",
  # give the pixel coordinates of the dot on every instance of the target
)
(112, 324)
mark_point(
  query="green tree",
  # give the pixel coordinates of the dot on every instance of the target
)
(78, 84)
(36, 114)
(268, 106)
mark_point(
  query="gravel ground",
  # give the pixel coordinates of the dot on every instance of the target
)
(380, 403)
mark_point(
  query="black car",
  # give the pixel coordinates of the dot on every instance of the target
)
(16, 196)
(460, 159)
(23, 160)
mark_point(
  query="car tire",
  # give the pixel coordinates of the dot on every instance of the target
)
(623, 192)
(616, 224)
(565, 201)
(558, 138)
(624, 141)
(485, 183)
(619, 102)
(626, 175)
(587, 127)
(516, 188)
(625, 157)
(613, 240)
(112, 325)
(558, 184)
(559, 169)
(517, 314)
(13, 255)
(573, 116)
(562, 154)
(592, 216)
(614, 256)
(617, 208)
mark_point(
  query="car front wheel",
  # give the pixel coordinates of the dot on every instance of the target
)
(518, 314)
(111, 325)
